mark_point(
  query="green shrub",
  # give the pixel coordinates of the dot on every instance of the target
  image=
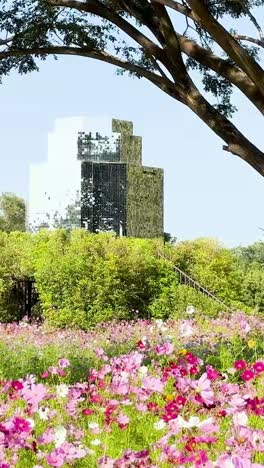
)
(212, 265)
(174, 300)
(84, 279)
(15, 262)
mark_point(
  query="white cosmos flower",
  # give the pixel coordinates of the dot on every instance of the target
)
(159, 425)
(159, 323)
(95, 442)
(62, 390)
(31, 422)
(194, 421)
(93, 425)
(44, 413)
(60, 434)
(143, 370)
(240, 419)
(186, 330)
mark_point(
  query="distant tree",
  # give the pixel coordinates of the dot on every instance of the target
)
(12, 213)
(251, 254)
(251, 264)
(163, 41)
(169, 238)
(71, 218)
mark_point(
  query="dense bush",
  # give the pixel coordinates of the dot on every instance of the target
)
(251, 264)
(212, 265)
(84, 278)
(175, 299)
(15, 262)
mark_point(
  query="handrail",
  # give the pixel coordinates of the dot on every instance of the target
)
(200, 288)
(193, 283)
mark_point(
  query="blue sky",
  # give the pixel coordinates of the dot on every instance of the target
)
(208, 192)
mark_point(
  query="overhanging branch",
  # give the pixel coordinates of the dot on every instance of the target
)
(241, 37)
(232, 48)
(224, 68)
(163, 82)
(97, 8)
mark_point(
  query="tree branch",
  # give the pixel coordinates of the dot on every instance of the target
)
(219, 65)
(245, 7)
(6, 41)
(232, 48)
(224, 68)
(240, 37)
(171, 44)
(163, 82)
(177, 7)
(236, 142)
(97, 8)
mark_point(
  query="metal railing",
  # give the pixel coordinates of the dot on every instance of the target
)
(184, 278)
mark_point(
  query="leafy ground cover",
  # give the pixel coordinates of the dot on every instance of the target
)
(134, 394)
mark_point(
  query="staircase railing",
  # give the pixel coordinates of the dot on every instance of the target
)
(184, 278)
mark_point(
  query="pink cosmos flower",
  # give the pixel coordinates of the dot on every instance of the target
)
(106, 462)
(55, 458)
(53, 370)
(212, 373)
(33, 395)
(203, 387)
(63, 363)
(153, 384)
(164, 349)
(122, 421)
(141, 407)
(235, 404)
(47, 437)
(240, 365)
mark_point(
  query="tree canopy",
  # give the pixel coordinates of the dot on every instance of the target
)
(163, 41)
(12, 213)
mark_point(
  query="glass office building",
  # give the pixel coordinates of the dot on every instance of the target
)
(118, 194)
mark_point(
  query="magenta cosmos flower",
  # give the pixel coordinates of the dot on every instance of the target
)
(240, 365)
(248, 375)
(259, 366)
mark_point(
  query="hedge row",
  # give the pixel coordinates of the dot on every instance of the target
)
(83, 279)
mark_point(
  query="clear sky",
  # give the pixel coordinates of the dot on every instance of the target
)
(208, 192)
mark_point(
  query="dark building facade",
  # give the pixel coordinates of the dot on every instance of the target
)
(118, 194)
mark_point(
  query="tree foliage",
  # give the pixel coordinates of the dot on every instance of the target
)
(12, 213)
(251, 263)
(163, 41)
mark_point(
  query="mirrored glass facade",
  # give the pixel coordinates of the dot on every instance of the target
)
(118, 194)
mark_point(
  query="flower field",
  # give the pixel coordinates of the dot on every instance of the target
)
(138, 394)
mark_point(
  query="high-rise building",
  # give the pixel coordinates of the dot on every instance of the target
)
(118, 194)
